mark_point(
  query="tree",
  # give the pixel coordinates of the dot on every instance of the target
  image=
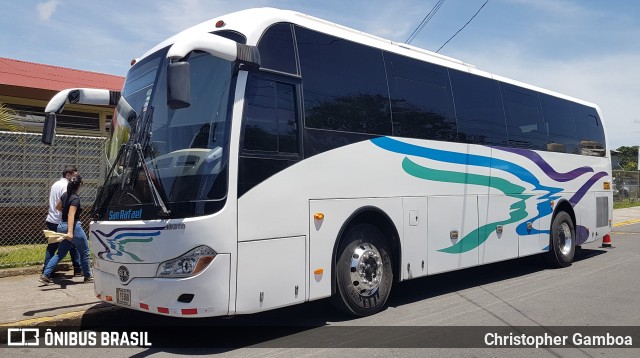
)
(628, 157)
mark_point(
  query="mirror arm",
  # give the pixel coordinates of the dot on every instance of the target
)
(90, 96)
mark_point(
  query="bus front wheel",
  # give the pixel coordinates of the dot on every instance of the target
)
(364, 273)
(562, 245)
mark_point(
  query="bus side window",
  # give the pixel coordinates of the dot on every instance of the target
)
(345, 88)
(525, 126)
(270, 131)
(478, 109)
(590, 131)
(421, 101)
(276, 49)
(270, 120)
(560, 123)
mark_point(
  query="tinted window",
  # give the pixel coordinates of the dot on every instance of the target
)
(317, 141)
(421, 100)
(478, 109)
(276, 49)
(286, 113)
(525, 126)
(270, 116)
(260, 121)
(589, 129)
(270, 130)
(344, 84)
(253, 171)
(560, 124)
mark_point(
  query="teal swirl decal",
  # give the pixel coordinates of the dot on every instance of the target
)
(518, 210)
(115, 245)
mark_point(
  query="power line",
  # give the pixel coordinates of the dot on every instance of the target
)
(465, 25)
(424, 21)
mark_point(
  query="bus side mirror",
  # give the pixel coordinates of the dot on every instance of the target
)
(178, 85)
(49, 128)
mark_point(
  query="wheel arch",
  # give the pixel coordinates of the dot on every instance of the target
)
(564, 205)
(378, 218)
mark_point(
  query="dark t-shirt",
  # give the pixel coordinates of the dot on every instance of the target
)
(73, 200)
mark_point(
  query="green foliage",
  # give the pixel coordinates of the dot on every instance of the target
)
(625, 204)
(23, 255)
(628, 157)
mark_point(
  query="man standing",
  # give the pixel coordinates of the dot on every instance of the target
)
(54, 217)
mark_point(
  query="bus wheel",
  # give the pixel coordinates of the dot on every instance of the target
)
(562, 245)
(364, 274)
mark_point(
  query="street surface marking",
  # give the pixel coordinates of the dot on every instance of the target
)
(64, 316)
(628, 222)
(40, 320)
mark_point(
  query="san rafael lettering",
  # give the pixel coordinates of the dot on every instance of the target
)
(125, 214)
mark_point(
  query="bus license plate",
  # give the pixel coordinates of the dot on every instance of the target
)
(123, 296)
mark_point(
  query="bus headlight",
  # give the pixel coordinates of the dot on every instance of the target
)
(189, 264)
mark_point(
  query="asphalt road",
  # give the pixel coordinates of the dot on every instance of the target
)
(601, 288)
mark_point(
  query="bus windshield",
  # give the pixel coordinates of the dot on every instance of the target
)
(185, 150)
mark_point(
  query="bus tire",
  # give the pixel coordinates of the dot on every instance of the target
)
(363, 271)
(562, 241)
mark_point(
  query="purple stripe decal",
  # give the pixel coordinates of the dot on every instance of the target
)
(128, 229)
(582, 234)
(546, 168)
(583, 190)
(107, 250)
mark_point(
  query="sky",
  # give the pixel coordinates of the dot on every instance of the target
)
(589, 49)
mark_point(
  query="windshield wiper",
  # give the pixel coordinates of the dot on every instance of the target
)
(99, 205)
(139, 145)
(155, 194)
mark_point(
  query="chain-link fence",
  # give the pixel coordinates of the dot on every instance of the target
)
(27, 170)
(625, 185)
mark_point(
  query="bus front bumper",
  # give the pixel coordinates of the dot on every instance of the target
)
(203, 295)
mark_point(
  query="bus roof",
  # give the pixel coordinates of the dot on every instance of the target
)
(253, 22)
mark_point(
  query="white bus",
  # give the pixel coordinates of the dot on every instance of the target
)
(267, 158)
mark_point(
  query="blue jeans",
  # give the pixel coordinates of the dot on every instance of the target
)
(51, 250)
(81, 244)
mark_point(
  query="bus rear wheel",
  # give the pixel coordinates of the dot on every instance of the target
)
(364, 273)
(562, 245)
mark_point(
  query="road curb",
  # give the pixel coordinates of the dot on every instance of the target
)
(75, 318)
(31, 270)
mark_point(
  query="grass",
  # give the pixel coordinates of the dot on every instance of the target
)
(625, 204)
(23, 255)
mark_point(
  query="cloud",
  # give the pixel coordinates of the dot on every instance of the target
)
(46, 9)
(573, 47)
(608, 80)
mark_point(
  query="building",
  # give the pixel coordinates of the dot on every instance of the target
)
(30, 167)
(26, 87)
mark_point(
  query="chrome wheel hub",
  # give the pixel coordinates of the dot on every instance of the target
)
(366, 269)
(565, 240)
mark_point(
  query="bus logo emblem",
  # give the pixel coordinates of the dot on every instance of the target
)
(123, 273)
